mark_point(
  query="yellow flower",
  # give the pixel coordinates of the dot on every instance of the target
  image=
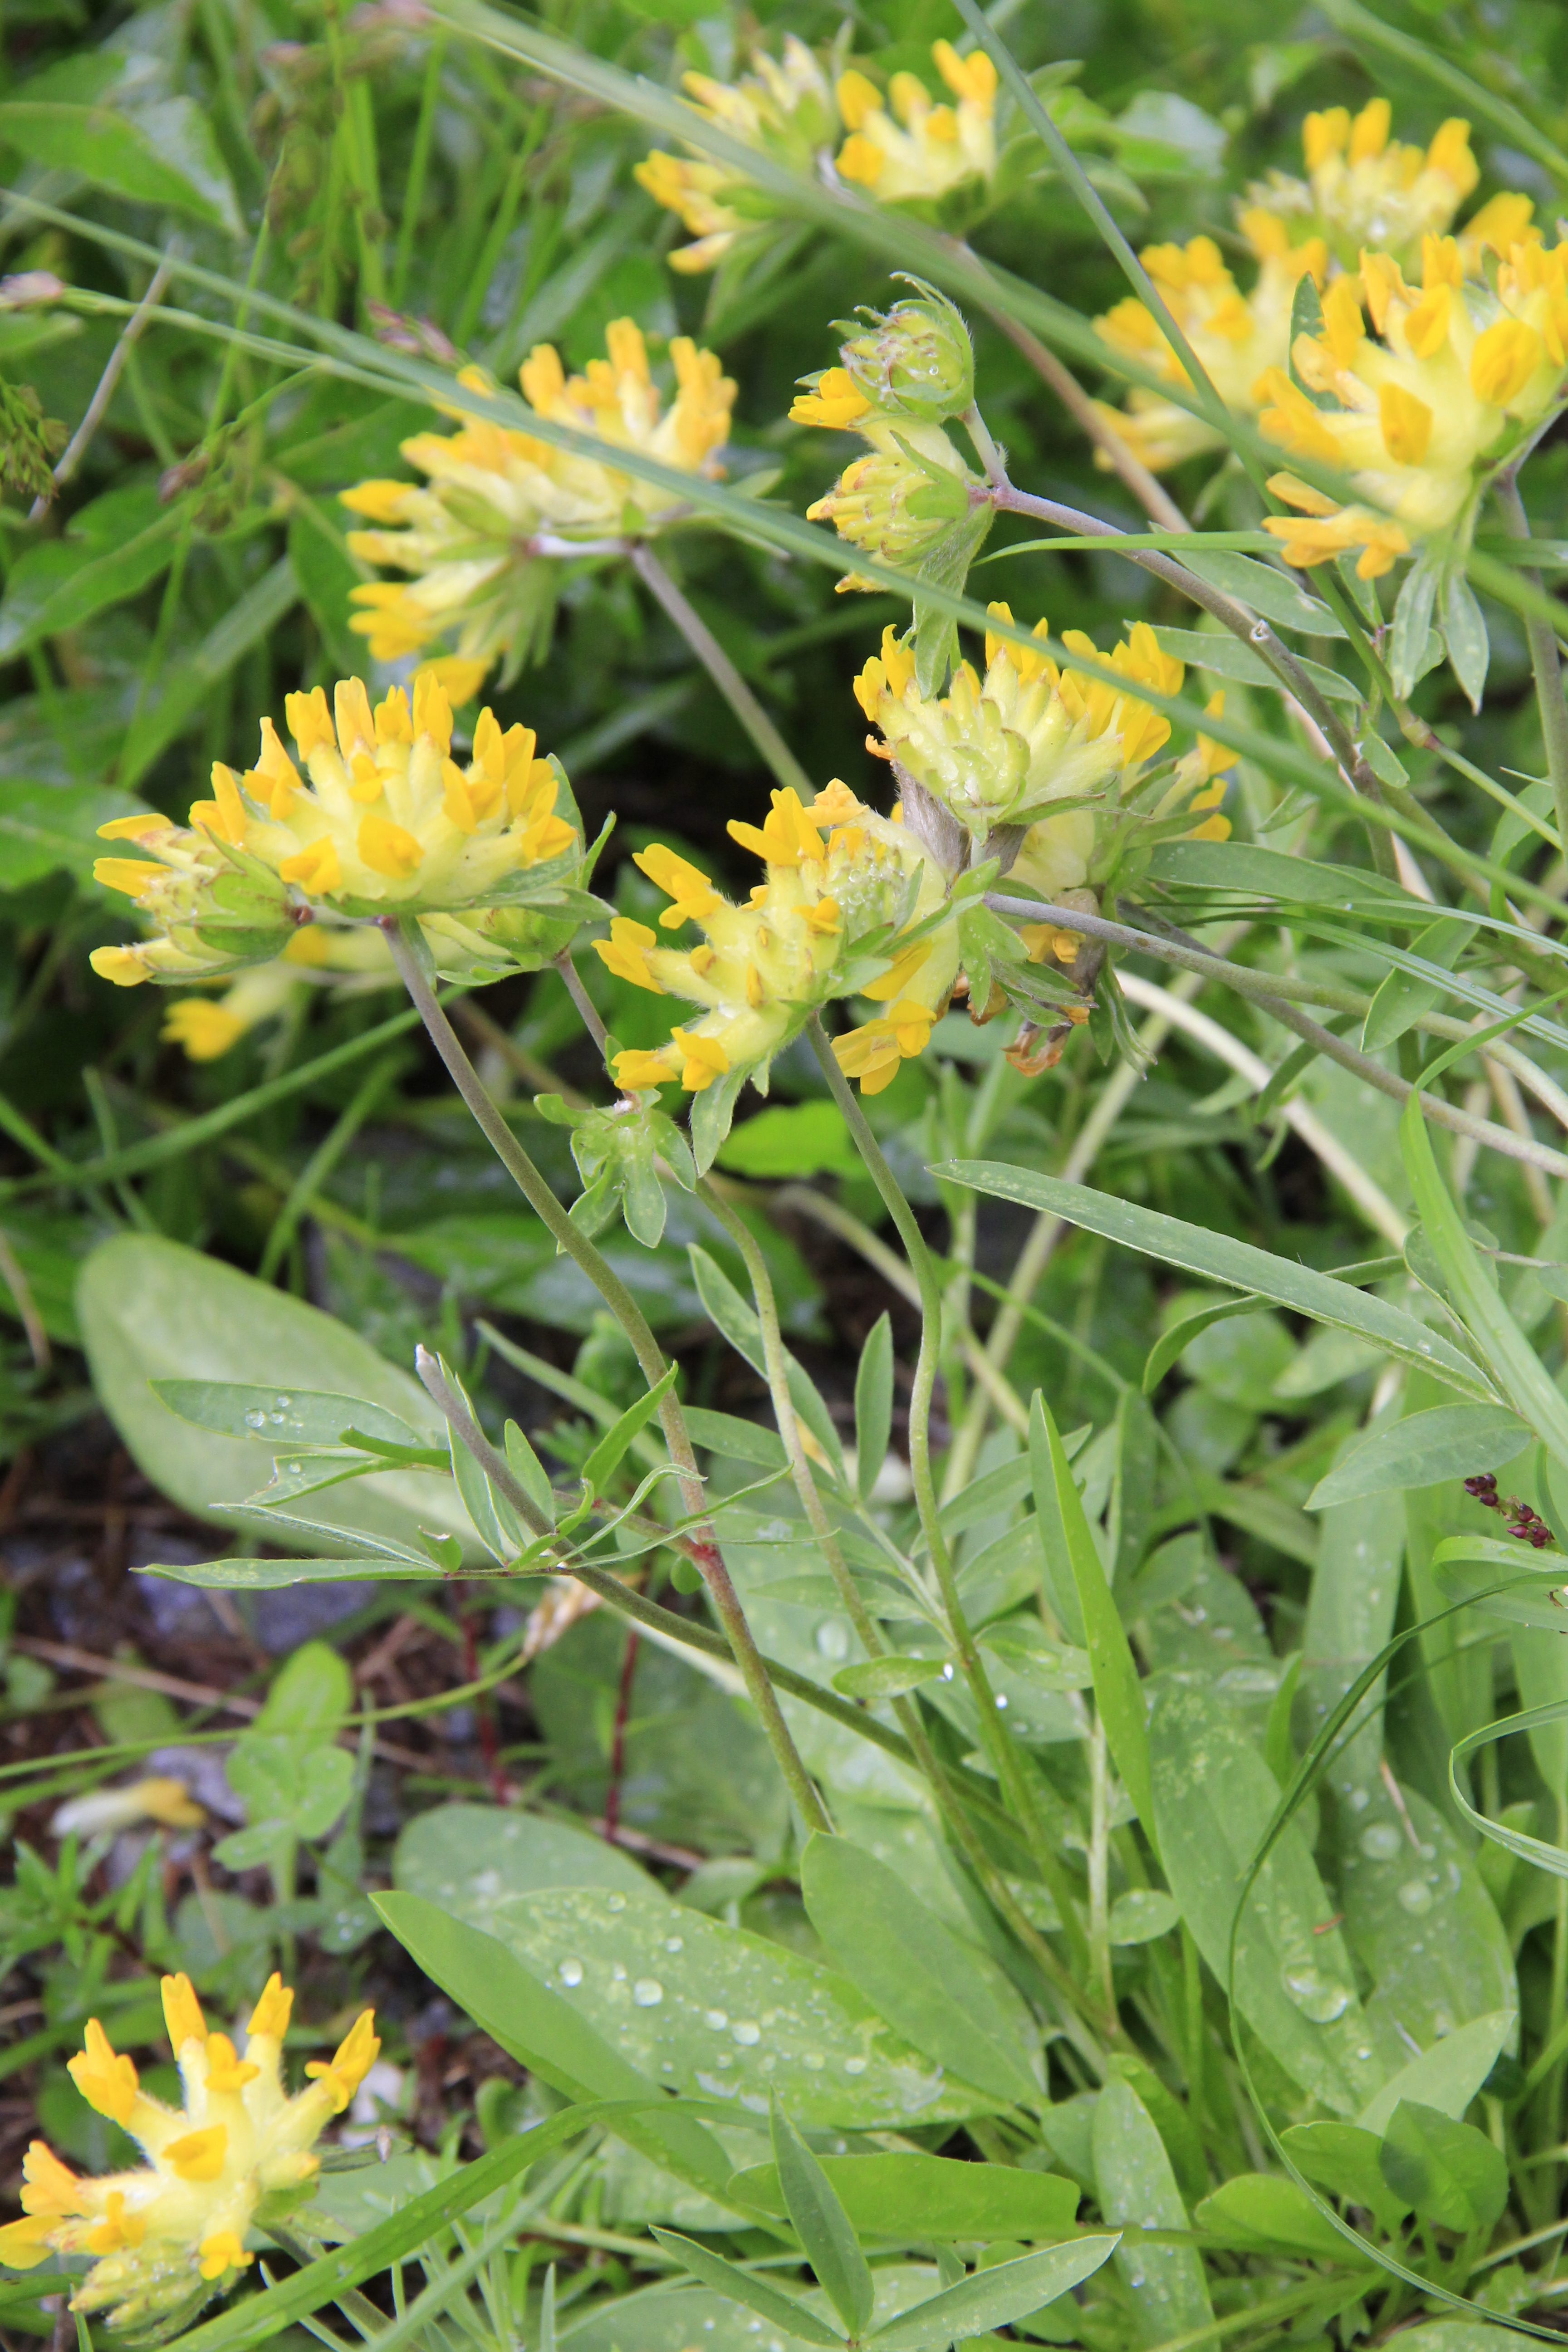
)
(836, 872)
(910, 147)
(350, 957)
(998, 751)
(1415, 409)
(1363, 188)
(1234, 338)
(907, 149)
(163, 1799)
(786, 108)
(468, 535)
(235, 2153)
(1363, 193)
(872, 1052)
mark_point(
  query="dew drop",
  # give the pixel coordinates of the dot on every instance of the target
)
(1001, 1698)
(278, 1418)
(675, 1943)
(832, 1638)
(1359, 1799)
(853, 2065)
(294, 1469)
(947, 1672)
(614, 1902)
(1317, 1996)
(1380, 1842)
(718, 2018)
(571, 1972)
(747, 2032)
(255, 1418)
(618, 1974)
(283, 1402)
(813, 2061)
(647, 1992)
(1415, 1896)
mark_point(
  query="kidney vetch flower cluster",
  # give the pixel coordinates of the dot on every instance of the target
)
(899, 148)
(1363, 191)
(237, 2154)
(382, 821)
(478, 536)
(850, 906)
(999, 752)
(1452, 372)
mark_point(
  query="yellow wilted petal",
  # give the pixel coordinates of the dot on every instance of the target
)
(122, 967)
(1407, 423)
(141, 828)
(183, 2012)
(50, 2189)
(1503, 360)
(636, 1071)
(387, 848)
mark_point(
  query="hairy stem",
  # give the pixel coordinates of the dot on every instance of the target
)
(764, 735)
(1011, 1770)
(705, 1552)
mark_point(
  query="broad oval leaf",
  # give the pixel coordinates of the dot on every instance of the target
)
(1450, 1441)
(901, 2195)
(993, 2298)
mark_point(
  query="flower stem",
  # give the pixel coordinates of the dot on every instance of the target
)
(1544, 658)
(1011, 1770)
(764, 735)
(576, 1246)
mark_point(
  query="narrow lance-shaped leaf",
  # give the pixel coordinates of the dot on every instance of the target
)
(823, 2227)
(1118, 1691)
(873, 1406)
(727, 2278)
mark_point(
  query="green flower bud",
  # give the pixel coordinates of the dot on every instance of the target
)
(915, 359)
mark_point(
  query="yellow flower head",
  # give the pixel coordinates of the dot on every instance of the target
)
(382, 817)
(908, 146)
(468, 535)
(1415, 400)
(1235, 337)
(904, 147)
(164, 1801)
(836, 872)
(1000, 750)
(1363, 188)
(786, 108)
(237, 2149)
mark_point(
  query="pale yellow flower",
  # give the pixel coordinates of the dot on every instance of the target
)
(163, 1799)
(998, 751)
(910, 147)
(836, 872)
(237, 2151)
(786, 108)
(1363, 188)
(1449, 377)
(480, 535)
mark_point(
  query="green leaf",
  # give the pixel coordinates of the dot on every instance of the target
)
(873, 1404)
(744, 2287)
(907, 2196)
(1118, 1691)
(1449, 1441)
(940, 1992)
(995, 2298)
(1224, 655)
(152, 1309)
(1135, 2183)
(1403, 997)
(1273, 593)
(179, 695)
(545, 2032)
(280, 1418)
(1409, 639)
(800, 1139)
(1248, 872)
(110, 151)
(885, 1677)
(1214, 1800)
(466, 1859)
(1512, 1361)
(1465, 633)
(1259, 2213)
(1447, 2077)
(738, 1323)
(63, 581)
(735, 1440)
(612, 1448)
(1448, 2172)
(528, 1471)
(239, 1575)
(706, 1988)
(1342, 2160)
(47, 828)
(823, 2227)
(1239, 1263)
